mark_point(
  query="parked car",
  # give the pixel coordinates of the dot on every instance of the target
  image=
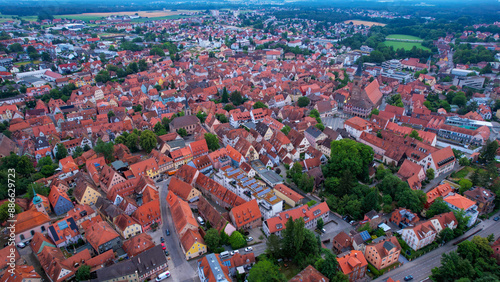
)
(166, 253)
(21, 245)
(162, 240)
(168, 232)
(323, 230)
(496, 218)
(235, 252)
(249, 239)
(248, 249)
(163, 246)
(408, 278)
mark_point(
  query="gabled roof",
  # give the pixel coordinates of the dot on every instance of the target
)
(459, 201)
(290, 193)
(351, 260)
(30, 219)
(309, 274)
(246, 213)
(180, 188)
(99, 233)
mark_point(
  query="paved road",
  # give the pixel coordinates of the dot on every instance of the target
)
(180, 269)
(421, 267)
(435, 182)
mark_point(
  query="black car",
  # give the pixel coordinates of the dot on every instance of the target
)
(168, 232)
(496, 218)
(166, 253)
(162, 240)
(408, 278)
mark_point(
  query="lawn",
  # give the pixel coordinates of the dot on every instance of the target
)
(25, 63)
(173, 17)
(405, 45)
(402, 36)
(462, 173)
(81, 17)
(289, 270)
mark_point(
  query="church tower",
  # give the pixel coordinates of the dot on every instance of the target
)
(356, 89)
(38, 203)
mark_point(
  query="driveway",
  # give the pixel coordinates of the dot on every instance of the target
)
(435, 182)
(180, 269)
(334, 226)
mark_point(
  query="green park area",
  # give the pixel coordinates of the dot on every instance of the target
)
(398, 41)
(402, 36)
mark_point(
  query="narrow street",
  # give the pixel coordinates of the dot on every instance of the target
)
(420, 268)
(180, 269)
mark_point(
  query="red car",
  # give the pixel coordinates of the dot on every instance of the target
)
(163, 246)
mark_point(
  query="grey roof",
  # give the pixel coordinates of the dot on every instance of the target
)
(179, 122)
(177, 143)
(313, 131)
(149, 260)
(388, 245)
(261, 128)
(116, 270)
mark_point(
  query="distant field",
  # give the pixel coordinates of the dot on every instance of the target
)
(367, 23)
(144, 14)
(405, 45)
(402, 36)
(25, 63)
(173, 17)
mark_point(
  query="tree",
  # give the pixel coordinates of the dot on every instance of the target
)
(430, 173)
(320, 126)
(212, 141)
(489, 152)
(137, 108)
(131, 141)
(83, 273)
(351, 155)
(439, 206)
(465, 184)
(25, 166)
(328, 266)
(320, 224)
(212, 239)
(107, 149)
(159, 129)
(286, 129)
(148, 141)
(229, 107)
(303, 102)
(452, 268)
(374, 112)
(236, 98)
(414, 134)
(201, 116)
(5, 213)
(464, 161)
(103, 76)
(143, 65)
(445, 235)
(236, 240)
(182, 132)
(62, 152)
(78, 152)
(371, 201)
(265, 271)
(259, 105)
(273, 245)
(225, 96)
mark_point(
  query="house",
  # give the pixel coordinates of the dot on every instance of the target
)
(484, 199)
(424, 233)
(287, 194)
(64, 232)
(314, 135)
(81, 213)
(353, 264)
(412, 173)
(39, 241)
(102, 237)
(383, 253)
(239, 263)
(189, 123)
(138, 244)
(148, 215)
(22, 273)
(185, 191)
(211, 268)
(441, 161)
(246, 216)
(363, 99)
(342, 243)
(275, 225)
(59, 201)
(10, 258)
(29, 222)
(144, 266)
(86, 192)
(309, 274)
(356, 125)
(192, 244)
(459, 202)
(147, 167)
(403, 218)
(127, 226)
(440, 191)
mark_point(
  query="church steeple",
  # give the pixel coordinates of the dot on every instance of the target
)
(38, 202)
(359, 70)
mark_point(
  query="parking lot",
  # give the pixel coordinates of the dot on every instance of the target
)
(334, 227)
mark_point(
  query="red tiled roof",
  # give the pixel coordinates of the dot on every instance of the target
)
(246, 213)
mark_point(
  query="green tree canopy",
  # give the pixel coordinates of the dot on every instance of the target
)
(212, 239)
(265, 271)
(62, 152)
(351, 155)
(212, 141)
(236, 240)
(148, 141)
(303, 102)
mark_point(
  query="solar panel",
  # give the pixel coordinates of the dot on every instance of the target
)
(272, 198)
(365, 235)
(62, 224)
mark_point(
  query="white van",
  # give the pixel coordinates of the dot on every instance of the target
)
(200, 220)
(224, 254)
(163, 275)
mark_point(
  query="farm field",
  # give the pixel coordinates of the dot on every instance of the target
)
(144, 14)
(402, 36)
(405, 45)
(367, 23)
